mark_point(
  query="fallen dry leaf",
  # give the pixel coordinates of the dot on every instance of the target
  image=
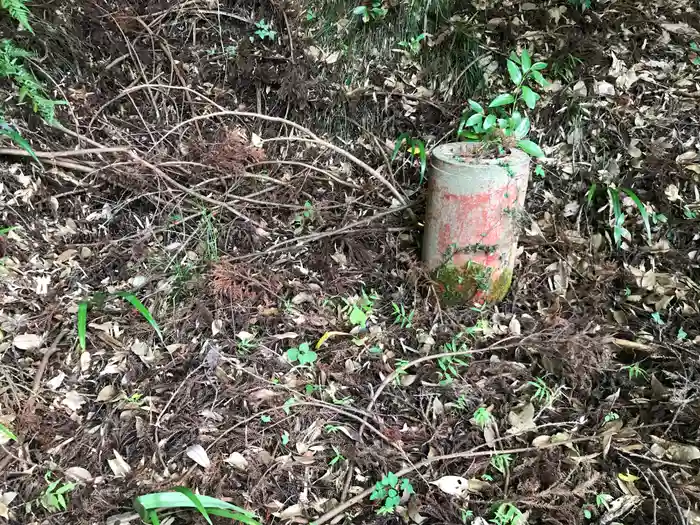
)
(27, 341)
(119, 467)
(197, 454)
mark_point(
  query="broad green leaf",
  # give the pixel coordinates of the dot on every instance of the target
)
(530, 148)
(173, 500)
(195, 500)
(359, 10)
(516, 76)
(530, 97)
(503, 123)
(642, 210)
(502, 100)
(539, 66)
(514, 57)
(7, 432)
(525, 60)
(131, 298)
(489, 122)
(523, 128)
(399, 143)
(293, 355)
(82, 324)
(358, 317)
(537, 77)
(476, 106)
(475, 119)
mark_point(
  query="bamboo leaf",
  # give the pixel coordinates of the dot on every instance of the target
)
(530, 148)
(476, 106)
(642, 210)
(82, 325)
(530, 97)
(136, 303)
(525, 61)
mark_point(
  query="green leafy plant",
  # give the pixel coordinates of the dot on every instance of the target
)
(360, 308)
(508, 514)
(682, 334)
(500, 128)
(695, 55)
(265, 418)
(302, 354)
(688, 213)
(401, 370)
(388, 490)
(416, 148)
(182, 498)
(413, 45)
(656, 316)
(12, 67)
(211, 236)
(401, 317)
(264, 30)
(611, 416)
(501, 462)
(543, 393)
(449, 365)
(482, 417)
(98, 300)
(465, 515)
(618, 216)
(539, 171)
(635, 371)
(19, 11)
(306, 215)
(590, 510)
(337, 458)
(54, 498)
(371, 13)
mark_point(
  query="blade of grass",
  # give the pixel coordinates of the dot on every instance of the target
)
(243, 518)
(7, 432)
(153, 516)
(642, 210)
(136, 303)
(5, 231)
(82, 325)
(399, 143)
(194, 499)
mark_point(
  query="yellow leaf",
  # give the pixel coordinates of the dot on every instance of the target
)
(627, 478)
(325, 336)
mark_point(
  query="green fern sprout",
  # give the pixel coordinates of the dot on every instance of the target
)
(19, 11)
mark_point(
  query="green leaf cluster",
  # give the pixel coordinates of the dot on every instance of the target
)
(502, 125)
(302, 354)
(370, 14)
(389, 489)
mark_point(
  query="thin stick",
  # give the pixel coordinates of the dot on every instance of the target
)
(51, 162)
(193, 193)
(388, 379)
(314, 139)
(66, 153)
(300, 241)
(307, 166)
(42, 368)
(457, 455)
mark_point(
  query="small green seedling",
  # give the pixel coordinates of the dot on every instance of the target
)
(416, 148)
(695, 55)
(337, 458)
(265, 418)
(401, 370)
(543, 393)
(501, 126)
(305, 216)
(414, 44)
(682, 334)
(55, 496)
(482, 417)
(388, 490)
(611, 416)
(331, 429)
(466, 515)
(183, 498)
(359, 309)
(581, 4)
(539, 171)
(656, 316)
(302, 354)
(285, 438)
(601, 501)
(264, 30)
(688, 213)
(635, 371)
(372, 13)
(401, 317)
(501, 462)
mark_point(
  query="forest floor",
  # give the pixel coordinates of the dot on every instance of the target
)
(575, 400)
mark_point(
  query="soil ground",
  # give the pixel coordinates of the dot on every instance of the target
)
(244, 241)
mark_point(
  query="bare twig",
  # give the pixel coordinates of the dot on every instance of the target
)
(42, 368)
(314, 139)
(457, 455)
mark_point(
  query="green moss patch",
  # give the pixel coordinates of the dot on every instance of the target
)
(459, 284)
